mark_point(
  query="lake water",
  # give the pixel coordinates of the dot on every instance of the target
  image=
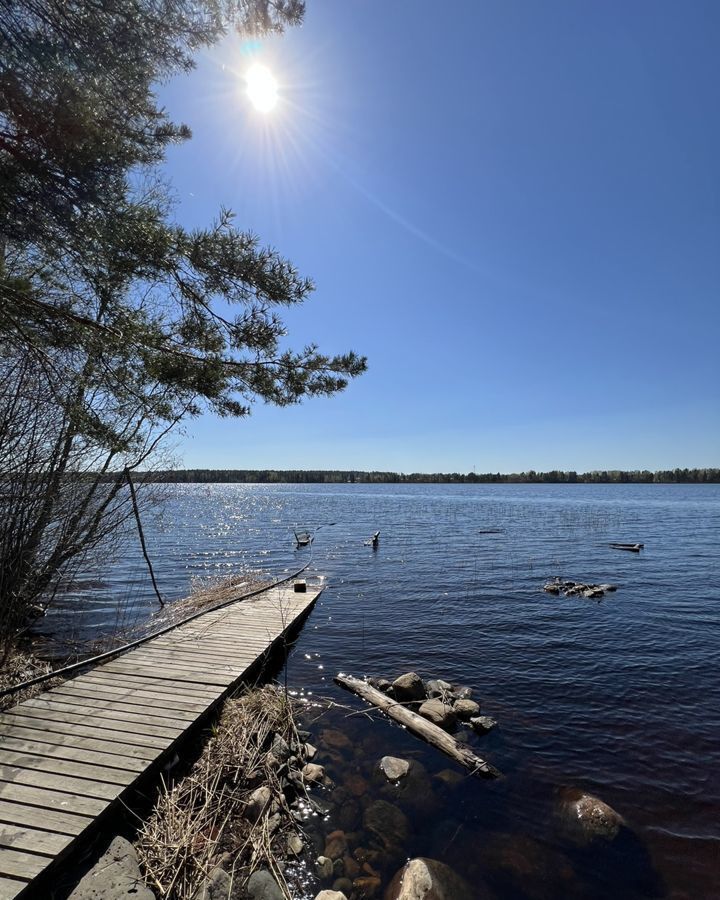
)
(619, 697)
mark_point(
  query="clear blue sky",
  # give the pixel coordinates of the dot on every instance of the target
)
(512, 208)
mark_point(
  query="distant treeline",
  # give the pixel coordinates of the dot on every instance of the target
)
(302, 476)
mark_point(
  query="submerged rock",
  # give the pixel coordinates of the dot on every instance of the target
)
(518, 865)
(336, 740)
(439, 713)
(413, 793)
(387, 822)
(585, 819)
(408, 688)
(394, 768)
(428, 879)
(116, 876)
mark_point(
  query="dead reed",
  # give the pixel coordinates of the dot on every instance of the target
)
(232, 809)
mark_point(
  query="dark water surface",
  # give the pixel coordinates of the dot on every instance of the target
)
(619, 697)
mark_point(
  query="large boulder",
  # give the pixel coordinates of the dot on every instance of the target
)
(428, 879)
(439, 713)
(115, 877)
(585, 819)
(408, 688)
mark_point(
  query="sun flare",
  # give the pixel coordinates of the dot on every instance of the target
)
(262, 88)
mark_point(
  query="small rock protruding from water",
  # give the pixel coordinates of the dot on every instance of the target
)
(482, 724)
(394, 768)
(466, 709)
(578, 589)
(313, 773)
(436, 687)
(324, 868)
(439, 713)
(331, 895)
(586, 819)
(408, 688)
(421, 879)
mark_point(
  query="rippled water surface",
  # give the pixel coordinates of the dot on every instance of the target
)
(620, 697)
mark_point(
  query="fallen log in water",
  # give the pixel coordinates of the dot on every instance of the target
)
(429, 732)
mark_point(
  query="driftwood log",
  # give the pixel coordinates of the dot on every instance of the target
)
(424, 729)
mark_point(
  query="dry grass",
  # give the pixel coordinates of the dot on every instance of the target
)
(202, 821)
(21, 666)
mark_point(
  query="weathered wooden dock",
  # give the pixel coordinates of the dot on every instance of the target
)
(69, 755)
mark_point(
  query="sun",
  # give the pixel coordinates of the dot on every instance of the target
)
(262, 88)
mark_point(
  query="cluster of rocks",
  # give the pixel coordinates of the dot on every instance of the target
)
(578, 589)
(377, 812)
(446, 705)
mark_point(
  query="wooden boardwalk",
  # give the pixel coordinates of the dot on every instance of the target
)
(68, 756)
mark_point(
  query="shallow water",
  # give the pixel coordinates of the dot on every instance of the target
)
(620, 697)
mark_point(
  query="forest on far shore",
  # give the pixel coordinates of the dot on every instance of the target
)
(337, 476)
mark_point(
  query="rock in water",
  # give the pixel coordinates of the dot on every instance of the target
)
(482, 724)
(466, 709)
(313, 772)
(387, 822)
(331, 895)
(438, 688)
(586, 819)
(393, 768)
(408, 688)
(116, 876)
(428, 879)
(439, 713)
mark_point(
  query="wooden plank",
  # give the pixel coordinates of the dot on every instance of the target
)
(20, 864)
(179, 674)
(149, 709)
(61, 723)
(66, 767)
(19, 837)
(158, 686)
(195, 662)
(10, 888)
(68, 754)
(50, 799)
(81, 714)
(45, 819)
(127, 695)
(86, 753)
(57, 734)
(83, 787)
